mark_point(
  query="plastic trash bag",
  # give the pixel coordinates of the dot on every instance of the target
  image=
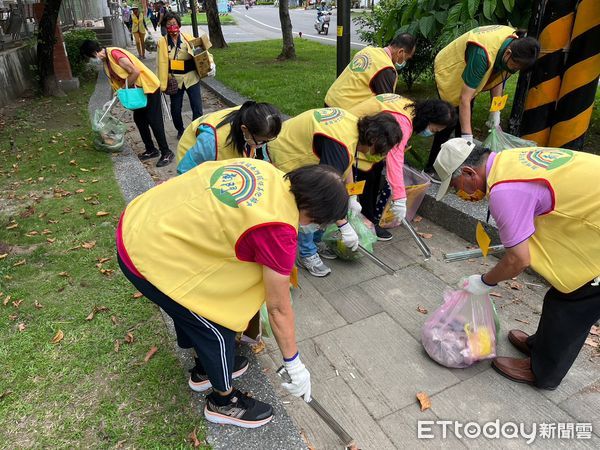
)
(109, 132)
(366, 237)
(150, 44)
(461, 331)
(498, 140)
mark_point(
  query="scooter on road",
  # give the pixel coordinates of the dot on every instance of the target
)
(322, 22)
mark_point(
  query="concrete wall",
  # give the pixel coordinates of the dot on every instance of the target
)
(15, 74)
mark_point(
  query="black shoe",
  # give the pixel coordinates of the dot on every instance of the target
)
(179, 134)
(165, 159)
(149, 154)
(199, 381)
(383, 234)
(241, 410)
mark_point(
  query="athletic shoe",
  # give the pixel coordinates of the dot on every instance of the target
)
(199, 381)
(314, 265)
(165, 159)
(383, 234)
(149, 154)
(325, 251)
(241, 410)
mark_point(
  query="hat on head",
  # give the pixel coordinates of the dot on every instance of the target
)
(453, 153)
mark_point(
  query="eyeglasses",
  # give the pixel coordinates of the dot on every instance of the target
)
(257, 142)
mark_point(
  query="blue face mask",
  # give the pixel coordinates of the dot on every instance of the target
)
(400, 66)
(426, 133)
(310, 228)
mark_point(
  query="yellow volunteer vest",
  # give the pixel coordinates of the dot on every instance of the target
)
(137, 24)
(393, 103)
(224, 150)
(182, 236)
(293, 147)
(450, 61)
(565, 248)
(164, 57)
(353, 86)
(147, 80)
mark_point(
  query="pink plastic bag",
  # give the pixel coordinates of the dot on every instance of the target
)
(461, 331)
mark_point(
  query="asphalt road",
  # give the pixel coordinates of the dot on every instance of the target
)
(262, 22)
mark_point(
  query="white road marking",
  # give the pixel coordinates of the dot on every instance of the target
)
(303, 34)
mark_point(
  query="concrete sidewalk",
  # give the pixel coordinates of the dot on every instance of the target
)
(359, 334)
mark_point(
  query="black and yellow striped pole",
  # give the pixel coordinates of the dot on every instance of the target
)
(556, 23)
(580, 79)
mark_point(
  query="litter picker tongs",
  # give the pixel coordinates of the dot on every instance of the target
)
(324, 415)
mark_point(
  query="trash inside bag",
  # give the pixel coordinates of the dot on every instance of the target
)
(366, 237)
(461, 331)
(416, 186)
(150, 44)
(109, 132)
(498, 140)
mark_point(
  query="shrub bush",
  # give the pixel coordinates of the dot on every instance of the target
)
(73, 40)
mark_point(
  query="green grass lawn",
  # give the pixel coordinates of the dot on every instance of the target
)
(295, 86)
(59, 205)
(186, 19)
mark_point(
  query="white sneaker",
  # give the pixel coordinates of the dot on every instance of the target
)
(325, 251)
(314, 265)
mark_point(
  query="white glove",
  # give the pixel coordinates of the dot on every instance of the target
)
(493, 120)
(354, 205)
(475, 285)
(349, 236)
(467, 137)
(399, 208)
(213, 70)
(300, 385)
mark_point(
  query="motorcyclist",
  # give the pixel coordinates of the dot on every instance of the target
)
(322, 8)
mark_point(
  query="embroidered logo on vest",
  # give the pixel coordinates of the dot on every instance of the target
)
(237, 184)
(388, 98)
(360, 63)
(328, 116)
(547, 158)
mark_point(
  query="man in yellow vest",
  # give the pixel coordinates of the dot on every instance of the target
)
(124, 69)
(479, 60)
(223, 241)
(372, 71)
(333, 137)
(545, 204)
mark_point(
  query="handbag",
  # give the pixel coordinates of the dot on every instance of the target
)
(133, 98)
(172, 85)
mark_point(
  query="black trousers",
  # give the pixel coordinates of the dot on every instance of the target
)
(214, 344)
(151, 117)
(368, 199)
(442, 136)
(564, 325)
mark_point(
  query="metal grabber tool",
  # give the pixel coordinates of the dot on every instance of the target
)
(420, 243)
(324, 415)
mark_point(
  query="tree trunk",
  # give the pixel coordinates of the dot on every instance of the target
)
(215, 33)
(288, 51)
(45, 49)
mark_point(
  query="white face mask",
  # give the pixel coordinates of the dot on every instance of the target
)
(400, 66)
(426, 133)
(310, 228)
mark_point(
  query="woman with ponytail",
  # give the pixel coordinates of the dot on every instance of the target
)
(241, 131)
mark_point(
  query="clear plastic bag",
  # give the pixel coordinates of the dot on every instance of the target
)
(109, 132)
(416, 186)
(366, 237)
(462, 331)
(498, 140)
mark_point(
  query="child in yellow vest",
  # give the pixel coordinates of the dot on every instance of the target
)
(545, 204)
(123, 69)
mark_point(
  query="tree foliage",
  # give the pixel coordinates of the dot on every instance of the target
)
(435, 23)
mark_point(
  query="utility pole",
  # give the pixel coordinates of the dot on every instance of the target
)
(194, 20)
(343, 35)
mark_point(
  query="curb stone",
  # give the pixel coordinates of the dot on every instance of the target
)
(281, 433)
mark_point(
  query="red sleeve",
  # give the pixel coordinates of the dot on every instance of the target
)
(118, 54)
(273, 246)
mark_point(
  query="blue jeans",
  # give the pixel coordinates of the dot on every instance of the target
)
(307, 243)
(195, 98)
